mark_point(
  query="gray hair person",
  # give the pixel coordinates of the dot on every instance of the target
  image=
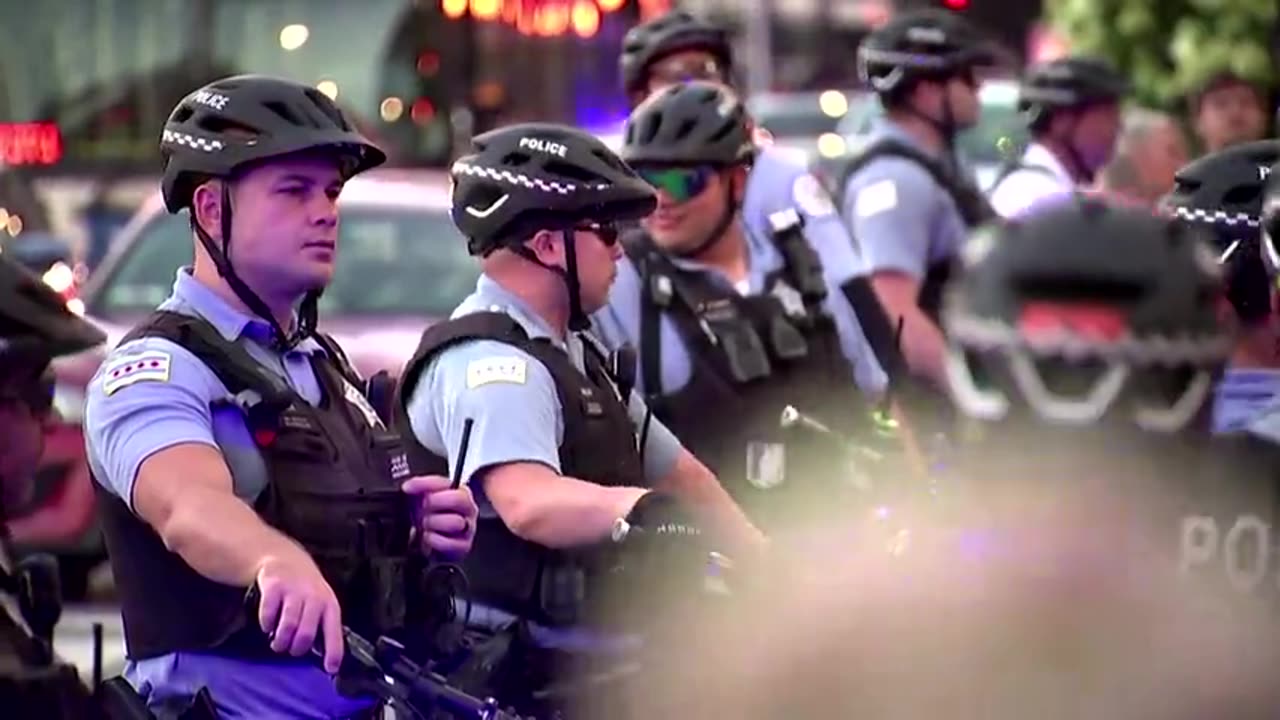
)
(1150, 149)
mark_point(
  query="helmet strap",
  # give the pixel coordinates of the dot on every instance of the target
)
(945, 126)
(221, 256)
(578, 320)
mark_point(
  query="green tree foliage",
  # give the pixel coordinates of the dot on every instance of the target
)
(1169, 47)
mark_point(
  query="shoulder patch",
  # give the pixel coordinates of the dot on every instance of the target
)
(484, 371)
(149, 365)
(809, 195)
(876, 198)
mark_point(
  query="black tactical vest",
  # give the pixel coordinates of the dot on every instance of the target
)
(333, 486)
(972, 204)
(751, 357)
(599, 445)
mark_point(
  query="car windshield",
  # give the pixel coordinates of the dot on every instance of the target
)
(390, 261)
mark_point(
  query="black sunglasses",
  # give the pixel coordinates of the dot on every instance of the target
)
(607, 232)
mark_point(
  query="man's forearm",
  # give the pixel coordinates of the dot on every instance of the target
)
(924, 347)
(568, 512)
(222, 538)
(691, 482)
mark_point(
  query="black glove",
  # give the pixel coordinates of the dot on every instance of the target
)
(658, 517)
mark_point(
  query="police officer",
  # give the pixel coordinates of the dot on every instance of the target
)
(1222, 193)
(516, 400)
(1072, 107)
(677, 47)
(731, 329)
(230, 443)
(902, 195)
(35, 326)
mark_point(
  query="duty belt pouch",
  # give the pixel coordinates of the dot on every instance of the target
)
(562, 592)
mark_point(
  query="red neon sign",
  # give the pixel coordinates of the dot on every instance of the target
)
(35, 143)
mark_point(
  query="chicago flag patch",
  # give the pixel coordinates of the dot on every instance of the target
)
(149, 365)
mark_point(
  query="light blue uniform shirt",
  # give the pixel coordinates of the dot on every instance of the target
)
(1245, 397)
(188, 404)
(510, 397)
(901, 218)
(776, 183)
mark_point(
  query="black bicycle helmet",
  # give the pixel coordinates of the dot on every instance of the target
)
(35, 323)
(247, 118)
(231, 123)
(1083, 314)
(1223, 193)
(925, 44)
(538, 176)
(673, 32)
(695, 123)
(1068, 83)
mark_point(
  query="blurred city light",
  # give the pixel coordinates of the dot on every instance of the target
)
(329, 88)
(833, 103)
(831, 145)
(293, 37)
(391, 109)
(586, 18)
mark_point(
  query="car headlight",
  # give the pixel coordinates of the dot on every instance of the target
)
(68, 400)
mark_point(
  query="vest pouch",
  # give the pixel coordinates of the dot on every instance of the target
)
(389, 453)
(562, 592)
(296, 436)
(787, 342)
(370, 591)
(743, 352)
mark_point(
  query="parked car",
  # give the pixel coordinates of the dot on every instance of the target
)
(401, 265)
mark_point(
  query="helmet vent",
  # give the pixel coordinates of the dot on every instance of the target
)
(182, 114)
(220, 125)
(283, 111)
(724, 132)
(515, 159)
(1070, 288)
(326, 106)
(572, 172)
(609, 160)
(1242, 195)
(686, 127)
